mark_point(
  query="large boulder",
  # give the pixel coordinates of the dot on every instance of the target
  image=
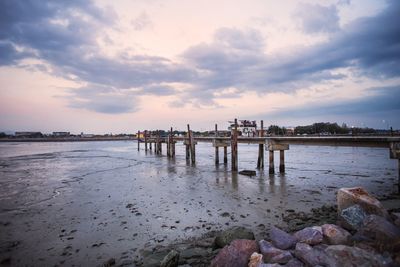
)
(281, 239)
(226, 237)
(353, 256)
(383, 232)
(347, 197)
(335, 235)
(352, 217)
(237, 254)
(268, 250)
(309, 235)
(313, 256)
(171, 260)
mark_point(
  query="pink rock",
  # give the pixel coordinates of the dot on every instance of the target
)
(347, 197)
(256, 260)
(309, 235)
(268, 250)
(237, 254)
(281, 239)
(335, 235)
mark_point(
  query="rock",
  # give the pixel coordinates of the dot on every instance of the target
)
(347, 197)
(237, 254)
(386, 234)
(109, 262)
(353, 256)
(309, 235)
(335, 235)
(154, 259)
(256, 260)
(281, 239)
(194, 253)
(268, 250)
(396, 218)
(313, 257)
(282, 258)
(248, 172)
(226, 237)
(352, 217)
(171, 260)
(294, 263)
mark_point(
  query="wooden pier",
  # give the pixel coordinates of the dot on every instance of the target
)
(268, 143)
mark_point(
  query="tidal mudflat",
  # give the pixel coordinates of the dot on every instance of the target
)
(84, 203)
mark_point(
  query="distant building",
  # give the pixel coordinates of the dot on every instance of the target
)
(28, 134)
(245, 127)
(87, 135)
(61, 134)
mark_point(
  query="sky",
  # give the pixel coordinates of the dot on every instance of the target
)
(121, 66)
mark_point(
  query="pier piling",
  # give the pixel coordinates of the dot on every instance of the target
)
(271, 162)
(225, 155)
(145, 140)
(260, 160)
(138, 140)
(281, 161)
(234, 155)
(216, 147)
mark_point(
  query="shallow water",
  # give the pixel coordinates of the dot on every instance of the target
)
(84, 202)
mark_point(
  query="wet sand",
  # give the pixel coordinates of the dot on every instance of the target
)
(84, 203)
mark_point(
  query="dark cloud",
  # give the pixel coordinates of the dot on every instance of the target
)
(369, 46)
(317, 18)
(381, 104)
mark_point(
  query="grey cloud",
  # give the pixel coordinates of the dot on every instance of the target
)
(382, 103)
(317, 18)
(63, 33)
(370, 46)
(102, 99)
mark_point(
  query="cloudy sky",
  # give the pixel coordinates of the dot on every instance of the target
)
(107, 66)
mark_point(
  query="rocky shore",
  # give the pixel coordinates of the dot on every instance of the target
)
(359, 231)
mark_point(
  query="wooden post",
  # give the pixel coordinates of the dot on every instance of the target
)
(138, 140)
(398, 179)
(216, 146)
(150, 143)
(260, 161)
(158, 150)
(169, 145)
(145, 140)
(191, 145)
(187, 152)
(282, 161)
(271, 162)
(172, 144)
(234, 155)
(225, 154)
